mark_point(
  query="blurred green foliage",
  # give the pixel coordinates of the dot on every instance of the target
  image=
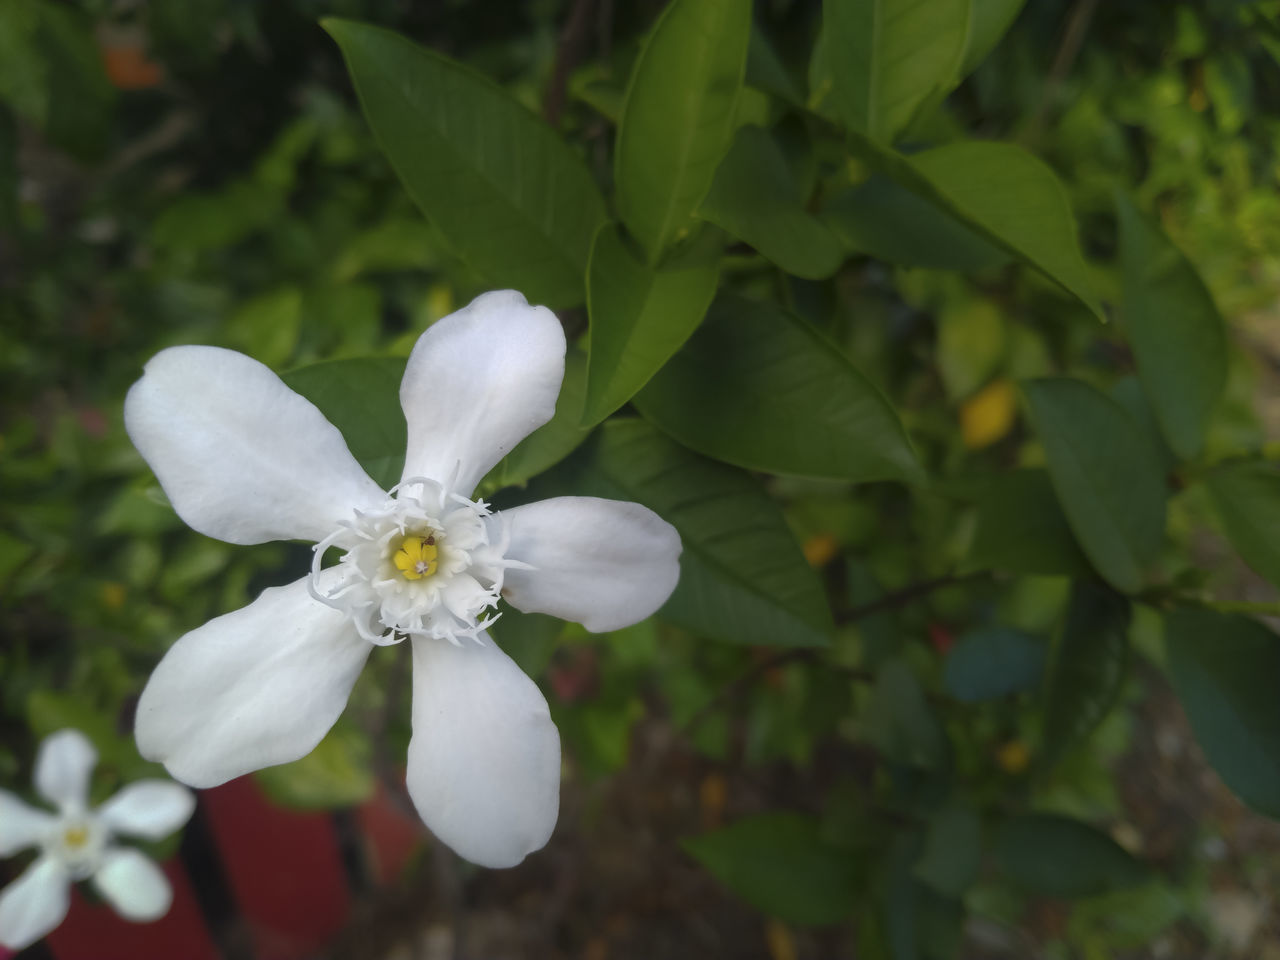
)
(956, 656)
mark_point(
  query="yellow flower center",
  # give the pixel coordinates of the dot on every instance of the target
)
(75, 837)
(416, 556)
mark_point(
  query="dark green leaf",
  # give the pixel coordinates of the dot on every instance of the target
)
(881, 219)
(1224, 669)
(337, 773)
(779, 864)
(554, 440)
(952, 850)
(1247, 498)
(640, 316)
(510, 196)
(1107, 476)
(756, 199)
(989, 21)
(886, 57)
(1022, 529)
(1005, 194)
(884, 220)
(743, 578)
(1060, 857)
(678, 118)
(1086, 668)
(361, 397)
(530, 639)
(1178, 337)
(899, 721)
(994, 662)
(767, 72)
(760, 388)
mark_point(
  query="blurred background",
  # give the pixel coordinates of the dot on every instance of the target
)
(197, 171)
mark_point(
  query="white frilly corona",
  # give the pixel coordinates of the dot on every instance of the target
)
(79, 843)
(245, 459)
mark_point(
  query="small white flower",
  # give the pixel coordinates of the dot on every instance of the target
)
(77, 843)
(245, 459)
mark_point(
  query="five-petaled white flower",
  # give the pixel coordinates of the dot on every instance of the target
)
(77, 843)
(245, 459)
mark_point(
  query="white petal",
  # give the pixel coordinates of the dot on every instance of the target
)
(63, 767)
(133, 885)
(151, 809)
(21, 826)
(484, 761)
(34, 904)
(604, 564)
(241, 456)
(255, 687)
(478, 382)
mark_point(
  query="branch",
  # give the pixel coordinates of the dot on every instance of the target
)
(568, 53)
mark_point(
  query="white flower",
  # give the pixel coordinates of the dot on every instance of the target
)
(245, 459)
(79, 844)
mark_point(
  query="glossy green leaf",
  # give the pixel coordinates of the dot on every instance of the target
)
(554, 440)
(779, 863)
(883, 219)
(1059, 857)
(1005, 194)
(1087, 668)
(640, 316)
(886, 57)
(1247, 498)
(1224, 669)
(1107, 476)
(743, 577)
(361, 397)
(755, 198)
(1178, 337)
(989, 21)
(510, 196)
(760, 388)
(994, 662)
(679, 116)
(1022, 529)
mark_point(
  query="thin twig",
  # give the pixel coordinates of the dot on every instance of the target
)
(1072, 41)
(568, 52)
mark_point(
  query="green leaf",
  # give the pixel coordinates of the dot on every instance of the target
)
(511, 197)
(1022, 529)
(1247, 498)
(883, 219)
(554, 440)
(779, 864)
(1224, 669)
(989, 21)
(743, 577)
(678, 118)
(1087, 668)
(530, 639)
(755, 198)
(952, 850)
(899, 721)
(1008, 196)
(760, 388)
(640, 316)
(971, 344)
(337, 773)
(993, 662)
(1178, 337)
(1059, 857)
(361, 397)
(1107, 476)
(887, 57)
